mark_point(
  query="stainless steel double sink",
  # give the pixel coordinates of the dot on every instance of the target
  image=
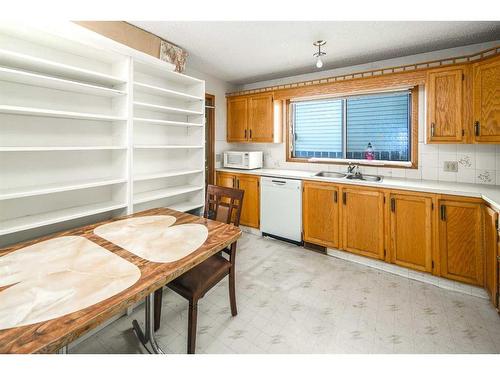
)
(339, 175)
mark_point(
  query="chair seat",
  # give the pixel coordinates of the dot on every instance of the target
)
(198, 280)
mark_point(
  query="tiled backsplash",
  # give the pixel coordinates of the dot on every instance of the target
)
(476, 163)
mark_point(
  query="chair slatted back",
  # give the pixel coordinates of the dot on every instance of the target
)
(223, 204)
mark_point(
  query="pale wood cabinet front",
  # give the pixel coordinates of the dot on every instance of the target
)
(250, 211)
(260, 118)
(411, 231)
(490, 254)
(445, 101)
(363, 222)
(461, 239)
(486, 101)
(237, 119)
(254, 118)
(320, 214)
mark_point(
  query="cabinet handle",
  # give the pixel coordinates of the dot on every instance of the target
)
(433, 126)
(393, 205)
(245, 134)
(250, 133)
(443, 212)
(238, 183)
(344, 197)
(234, 182)
(477, 128)
(335, 196)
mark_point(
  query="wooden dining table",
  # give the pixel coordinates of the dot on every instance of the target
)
(52, 335)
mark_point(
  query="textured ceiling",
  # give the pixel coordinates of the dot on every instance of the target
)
(246, 52)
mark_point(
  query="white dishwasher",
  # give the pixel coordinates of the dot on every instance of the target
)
(281, 208)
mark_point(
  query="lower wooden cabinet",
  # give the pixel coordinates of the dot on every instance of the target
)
(490, 254)
(250, 211)
(410, 233)
(226, 180)
(363, 222)
(461, 236)
(320, 214)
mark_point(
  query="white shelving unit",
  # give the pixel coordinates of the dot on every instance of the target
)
(169, 139)
(91, 129)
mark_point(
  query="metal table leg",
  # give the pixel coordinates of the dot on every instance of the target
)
(148, 337)
(63, 350)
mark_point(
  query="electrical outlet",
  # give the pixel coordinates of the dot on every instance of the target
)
(450, 166)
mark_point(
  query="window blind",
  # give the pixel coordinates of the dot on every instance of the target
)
(318, 128)
(382, 121)
(343, 127)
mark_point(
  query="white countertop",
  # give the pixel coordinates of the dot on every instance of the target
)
(490, 193)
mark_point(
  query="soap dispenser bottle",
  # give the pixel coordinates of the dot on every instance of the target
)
(369, 154)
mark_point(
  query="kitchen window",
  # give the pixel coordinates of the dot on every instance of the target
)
(369, 129)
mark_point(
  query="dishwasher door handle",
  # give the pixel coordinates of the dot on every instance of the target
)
(278, 182)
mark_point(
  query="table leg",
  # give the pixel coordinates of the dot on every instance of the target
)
(63, 350)
(149, 335)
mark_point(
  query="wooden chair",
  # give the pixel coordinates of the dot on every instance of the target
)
(222, 204)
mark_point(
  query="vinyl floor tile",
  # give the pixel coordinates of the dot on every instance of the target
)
(293, 300)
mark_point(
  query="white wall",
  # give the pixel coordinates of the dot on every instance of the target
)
(476, 163)
(219, 88)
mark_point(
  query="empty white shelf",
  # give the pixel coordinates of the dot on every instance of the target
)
(36, 64)
(154, 90)
(157, 68)
(166, 122)
(165, 109)
(167, 147)
(185, 206)
(21, 192)
(152, 176)
(35, 79)
(52, 217)
(164, 193)
(59, 148)
(29, 111)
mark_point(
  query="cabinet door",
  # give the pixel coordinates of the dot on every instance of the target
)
(363, 222)
(250, 211)
(320, 214)
(411, 231)
(444, 106)
(260, 118)
(490, 254)
(460, 236)
(226, 179)
(237, 119)
(486, 102)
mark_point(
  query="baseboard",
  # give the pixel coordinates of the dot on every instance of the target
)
(410, 274)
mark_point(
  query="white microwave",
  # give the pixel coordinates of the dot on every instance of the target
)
(243, 159)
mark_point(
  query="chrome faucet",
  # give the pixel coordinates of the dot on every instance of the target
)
(351, 167)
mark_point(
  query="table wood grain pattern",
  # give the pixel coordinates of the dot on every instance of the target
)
(49, 336)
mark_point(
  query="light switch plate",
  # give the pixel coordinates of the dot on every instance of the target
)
(451, 166)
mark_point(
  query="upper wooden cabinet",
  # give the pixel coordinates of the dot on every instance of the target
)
(445, 105)
(250, 211)
(237, 119)
(260, 118)
(320, 213)
(411, 231)
(363, 221)
(461, 240)
(254, 118)
(486, 101)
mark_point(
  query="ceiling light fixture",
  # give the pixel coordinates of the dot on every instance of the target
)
(319, 62)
